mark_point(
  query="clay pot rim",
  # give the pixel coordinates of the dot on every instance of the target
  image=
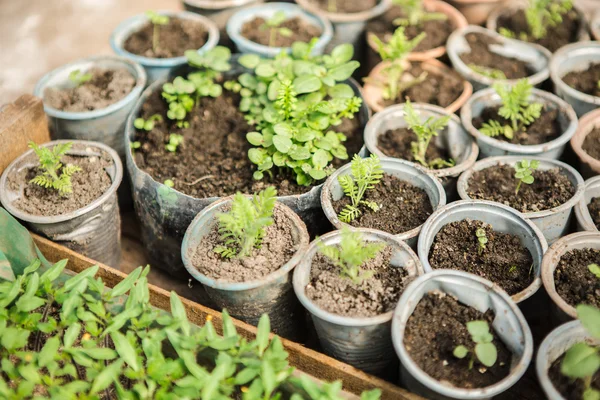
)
(361, 16)
(587, 124)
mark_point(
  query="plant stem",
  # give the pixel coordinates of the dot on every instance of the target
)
(272, 37)
(518, 187)
(155, 38)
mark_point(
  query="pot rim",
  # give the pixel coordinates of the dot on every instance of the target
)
(371, 135)
(361, 16)
(220, 5)
(140, 81)
(587, 123)
(236, 21)
(218, 284)
(312, 308)
(38, 219)
(566, 52)
(132, 22)
(581, 214)
(399, 327)
(463, 182)
(386, 164)
(530, 150)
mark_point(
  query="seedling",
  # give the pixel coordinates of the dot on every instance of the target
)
(273, 25)
(415, 13)
(541, 15)
(425, 131)
(243, 227)
(488, 72)
(135, 145)
(366, 173)
(351, 253)
(515, 108)
(482, 239)
(174, 141)
(485, 351)
(79, 78)
(513, 268)
(169, 183)
(157, 20)
(55, 175)
(524, 172)
(147, 124)
(594, 269)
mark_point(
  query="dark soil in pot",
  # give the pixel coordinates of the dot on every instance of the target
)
(574, 282)
(278, 247)
(585, 81)
(397, 143)
(504, 260)
(174, 39)
(436, 327)
(346, 6)
(566, 32)
(106, 86)
(569, 388)
(594, 209)
(550, 189)
(339, 295)
(543, 130)
(437, 32)
(402, 206)
(482, 56)
(302, 31)
(591, 143)
(88, 184)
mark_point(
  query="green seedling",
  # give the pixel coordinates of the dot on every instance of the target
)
(55, 175)
(169, 183)
(134, 145)
(79, 78)
(488, 72)
(351, 253)
(366, 173)
(541, 15)
(482, 239)
(174, 141)
(516, 108)
(485, 351)
(147, 124)
(524, 172)
(157, 20)
(513, 268)
(415, 13)
(594, 269)
(273, 26)
(243, 227)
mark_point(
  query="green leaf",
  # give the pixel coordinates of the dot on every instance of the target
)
(486, 353)
(343, 72)
(320, 158)
(100, 353)
(591, 394)
(246, 375)
(179, 313)
(49, 351)
(265, 70)
(257, 156)
(306, 84)
(71, 334)
(106, 377)
(262, 334)
(249, 61)
(54, 272)
(282, 143)
(126, 284)
(254, 138)
(590, 319)
(14, 338)
(317, 174)
(125, 350)
(528, 179)
(27, 304)
(283, 129)
(74, 281)
(341, 91)
(478, 329)
(342, 53)
(305, 135)
(298, 152)
(460, 351)
(581, 360)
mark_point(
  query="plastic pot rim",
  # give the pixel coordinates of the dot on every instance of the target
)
(361, 16)
(584, 218)
(564, 53)
(217, 5)
(587, 123)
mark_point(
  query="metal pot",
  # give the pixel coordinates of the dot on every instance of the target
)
(582, 213)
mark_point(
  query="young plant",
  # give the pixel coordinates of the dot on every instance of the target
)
(515, 108)
(524, 172)
(79, 78)
(273, 26)
(243, 227)
(541, 15)
(482, 239)
(55, 175)
(488, 72)
(415, 13)
(366, 173)
(157, 20)
(135, 145)
(484, 351)
(424, 132)
(147, 124)
(594, 269)
(351, 253)
(169, 183)
(174, 141)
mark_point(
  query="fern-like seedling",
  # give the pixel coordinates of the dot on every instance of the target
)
(524, 172)
(351, 253)
(273, 26)
(157, 20)
(79, 78)
(56, 175)
(243, 227)
(485, 351)
(416, 13)
(481, 239)
(366, 173)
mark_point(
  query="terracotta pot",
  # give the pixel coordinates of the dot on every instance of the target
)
(475, 11)
(373, 93)
(588, 165)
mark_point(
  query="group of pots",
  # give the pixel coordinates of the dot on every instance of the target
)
(101, 107)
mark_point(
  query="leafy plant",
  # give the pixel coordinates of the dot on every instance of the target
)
(79, 78)
(425, 130)
(594, 269)
(135, 145)
(169, 183)
(482, 239)
(55, 175)
(351, 253)
(366, 173)
(147, 124)
(541, 15)
(485, 351)
(174, 141)
(157, 20)
(492, 73)
(415, 13)
(273, 25)
(515, 108)
(243, 227)
(523, 172)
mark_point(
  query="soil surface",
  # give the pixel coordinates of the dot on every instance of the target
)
(256, 31)
(278, 247)
(542, 130)
(436, 327)
(88, 184)
(402, 206)
(106, 87)
(374, 296)
(591, 143)
(557, 37)
(504, 260)
(550, 189)
(346, 6)
(437, 32)
(570, 389)
(397, 143)
(174, 39)
(585, 80)
(594, 209)
(574, 282)
(482, 55)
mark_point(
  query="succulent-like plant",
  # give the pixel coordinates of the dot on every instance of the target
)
(484, 351)
(524, 172)
(55, 175)
(273, 26)
(366, 173)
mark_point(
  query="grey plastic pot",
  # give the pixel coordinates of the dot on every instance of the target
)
(454, 138)
(363, 342)
(536, 57)
(553, 223)
(272, 294)
(105, 125)
(582, 214)
(570, 58)
(553, 347)
(93, 230)
(402, 169)
(502, 219)
(588, 165)
(158, 68)
(509, 324)
(561, 310)
(244, 45)
(489, 147)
